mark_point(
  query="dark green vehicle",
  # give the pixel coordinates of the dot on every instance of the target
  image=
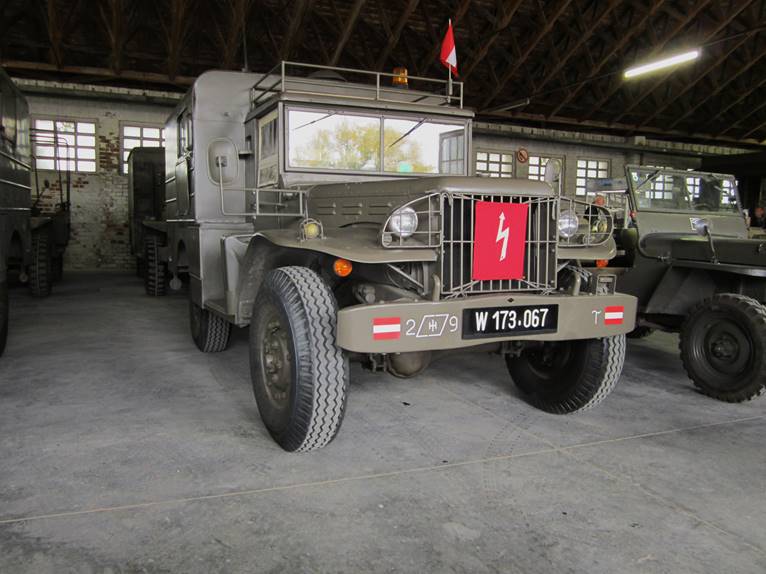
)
(684, 252)
(339, 218)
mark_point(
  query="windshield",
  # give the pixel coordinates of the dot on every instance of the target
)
(674, 190)
(335, 140)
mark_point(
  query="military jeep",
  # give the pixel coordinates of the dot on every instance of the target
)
(336, 215)
(684, 252)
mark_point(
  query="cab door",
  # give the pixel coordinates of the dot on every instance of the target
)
(184, 165)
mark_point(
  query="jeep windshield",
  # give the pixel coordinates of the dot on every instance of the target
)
(374, 143)
(659, 189)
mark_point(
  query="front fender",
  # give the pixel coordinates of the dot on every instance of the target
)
(607, 250)
(358, 245)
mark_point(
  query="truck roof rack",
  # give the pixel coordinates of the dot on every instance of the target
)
(302, 79)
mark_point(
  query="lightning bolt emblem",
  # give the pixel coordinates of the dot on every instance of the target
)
(502, 234)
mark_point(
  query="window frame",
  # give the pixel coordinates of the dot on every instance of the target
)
(501, 174)
(381, 115)
(141, 138)
(34, 130)
(598, 160)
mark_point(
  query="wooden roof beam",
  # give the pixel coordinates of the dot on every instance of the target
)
(508, 13)
(731, 15)
(737, 73)
(348, 29)
(548, 24)
(616, 48)
(393, 40)
(295, 27)
(670, 35)
(687, 87)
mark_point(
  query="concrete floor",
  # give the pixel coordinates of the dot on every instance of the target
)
(124, 449)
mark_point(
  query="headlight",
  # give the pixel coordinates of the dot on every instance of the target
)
(568, 224)
(404, 222)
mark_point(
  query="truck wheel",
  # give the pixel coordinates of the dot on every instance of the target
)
(154, 279)
(3, 315)
(41, 270)
(209, 331)
(723, 347)
(300, 376)
(568, 376)
(640, 333)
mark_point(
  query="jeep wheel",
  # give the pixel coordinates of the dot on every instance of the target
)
(568, 376)
(209, 331)
(41, 270)
(300, 376)
(154, 278)
(640, 333)
(3, 315)
(723, 347)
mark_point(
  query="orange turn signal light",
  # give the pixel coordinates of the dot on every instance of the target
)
(342, 267)
(602, 262)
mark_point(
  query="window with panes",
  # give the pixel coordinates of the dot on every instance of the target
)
(536, 169)
(65, 145)
(589, 169)
(494, 164)
(139, 136)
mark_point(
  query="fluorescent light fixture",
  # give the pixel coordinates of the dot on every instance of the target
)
(661, 64)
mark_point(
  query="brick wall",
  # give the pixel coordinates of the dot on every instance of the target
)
(99, 238)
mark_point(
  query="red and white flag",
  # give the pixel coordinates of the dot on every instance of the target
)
(614, 315)
(384, 328)
(448, 55)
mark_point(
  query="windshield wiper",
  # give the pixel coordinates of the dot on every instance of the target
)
(416, 126)
(324, 117)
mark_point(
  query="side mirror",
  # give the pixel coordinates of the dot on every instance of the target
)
(552, 171)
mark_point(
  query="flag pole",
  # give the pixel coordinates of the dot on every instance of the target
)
(449, 74)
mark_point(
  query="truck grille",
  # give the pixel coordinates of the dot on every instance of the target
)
(458, 238)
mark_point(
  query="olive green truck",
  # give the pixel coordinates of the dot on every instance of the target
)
(338, 216)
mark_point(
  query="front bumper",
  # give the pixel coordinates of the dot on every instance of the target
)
(580, 317)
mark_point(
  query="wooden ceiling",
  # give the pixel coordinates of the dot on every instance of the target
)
(565, 57)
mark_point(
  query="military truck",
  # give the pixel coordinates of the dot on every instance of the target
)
(21, 250)
(334, 212)
(146, 197)
(684, 252)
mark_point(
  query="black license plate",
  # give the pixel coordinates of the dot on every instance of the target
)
(500, 321)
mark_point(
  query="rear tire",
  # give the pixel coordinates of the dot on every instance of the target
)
(41, 270)
(568, 376)
(3, 315)
(210, 332)
(300, 376)
(156, 270)
(723, 347)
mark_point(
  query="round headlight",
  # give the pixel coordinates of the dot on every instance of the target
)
(404, 222)
(568, 224)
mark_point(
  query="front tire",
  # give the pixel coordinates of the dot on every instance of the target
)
(723, 347)
(300, 376)
(210, 332)
(41, 270)
(568, 376)
(3, 315)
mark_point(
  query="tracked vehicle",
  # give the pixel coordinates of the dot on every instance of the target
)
(337, 216)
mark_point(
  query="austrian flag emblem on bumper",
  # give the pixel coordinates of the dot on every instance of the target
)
(384, 328)
(614, 315)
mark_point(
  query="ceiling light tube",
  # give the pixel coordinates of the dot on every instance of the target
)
(661, 64)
